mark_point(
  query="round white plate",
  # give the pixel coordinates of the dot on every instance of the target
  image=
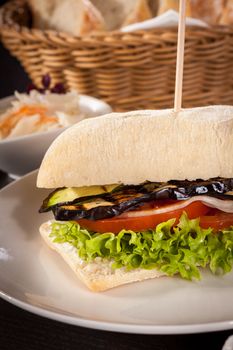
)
(36, 279)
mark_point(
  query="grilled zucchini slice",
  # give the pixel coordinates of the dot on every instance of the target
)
(69, 194)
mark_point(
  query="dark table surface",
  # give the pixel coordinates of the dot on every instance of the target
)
(20, 329)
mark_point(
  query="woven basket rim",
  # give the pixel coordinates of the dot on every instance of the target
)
(14, 27)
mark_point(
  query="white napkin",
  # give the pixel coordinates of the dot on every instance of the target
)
(228, 344)
(169, 18)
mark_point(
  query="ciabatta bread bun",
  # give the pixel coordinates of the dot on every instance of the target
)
(77, 17)
(133, 147)
(97, 275)
(208, 10)
(227, 14)
(140, 13)
(118, 13)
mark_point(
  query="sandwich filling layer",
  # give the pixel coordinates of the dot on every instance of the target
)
(175, 227)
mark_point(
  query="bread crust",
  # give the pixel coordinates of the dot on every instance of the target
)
(97, 276)
(133, 147)
(77, 17)
(140, 13)
(208, 10)
(118, 13)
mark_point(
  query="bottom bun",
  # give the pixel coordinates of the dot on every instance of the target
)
(97, 275)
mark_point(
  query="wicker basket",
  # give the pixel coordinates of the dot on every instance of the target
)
(130, 71)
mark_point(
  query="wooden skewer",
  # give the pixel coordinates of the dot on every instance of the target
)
(180, 57)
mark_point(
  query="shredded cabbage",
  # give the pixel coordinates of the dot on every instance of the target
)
(173, 250)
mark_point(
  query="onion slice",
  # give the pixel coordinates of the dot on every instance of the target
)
(221, 204)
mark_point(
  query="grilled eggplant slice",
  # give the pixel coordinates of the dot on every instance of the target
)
(123, 198)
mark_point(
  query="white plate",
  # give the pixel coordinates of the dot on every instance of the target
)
(36, 279)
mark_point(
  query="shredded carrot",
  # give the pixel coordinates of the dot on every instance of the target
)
(13, 118)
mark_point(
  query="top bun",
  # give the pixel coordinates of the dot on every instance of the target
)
(133, 147)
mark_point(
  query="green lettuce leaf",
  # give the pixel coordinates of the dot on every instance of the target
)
(173, 250)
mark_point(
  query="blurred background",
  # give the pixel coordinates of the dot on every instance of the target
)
(12, 74)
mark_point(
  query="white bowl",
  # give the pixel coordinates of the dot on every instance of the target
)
(23, 154)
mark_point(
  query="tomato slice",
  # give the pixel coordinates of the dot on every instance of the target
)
(217, 220)
(140, 223)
